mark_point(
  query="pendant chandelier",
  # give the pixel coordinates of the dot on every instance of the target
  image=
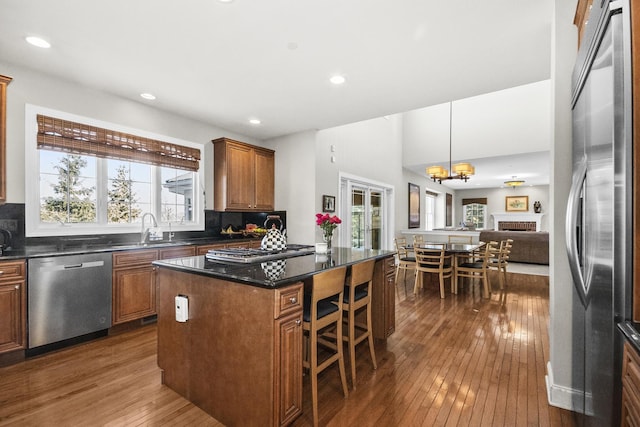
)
(513, 183)
(458, 171)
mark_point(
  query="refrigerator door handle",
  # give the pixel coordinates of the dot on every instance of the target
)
(573, 214)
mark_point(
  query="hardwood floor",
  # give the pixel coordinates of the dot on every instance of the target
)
(463, 361)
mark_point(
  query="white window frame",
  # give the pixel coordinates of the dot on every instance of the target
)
(429, 212)
(484, 214)
(33, 226)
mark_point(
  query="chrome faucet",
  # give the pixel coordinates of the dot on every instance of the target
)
(144, 232)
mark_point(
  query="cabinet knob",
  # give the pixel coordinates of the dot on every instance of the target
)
(293, 300)
(298, 322)
(1, 272)
(17, 287)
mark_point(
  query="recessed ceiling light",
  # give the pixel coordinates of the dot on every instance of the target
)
(225, 1)
(148, 96)
(255, 121)
(337, 79)
(37, 41)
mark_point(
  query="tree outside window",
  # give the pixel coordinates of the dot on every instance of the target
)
(68, 189)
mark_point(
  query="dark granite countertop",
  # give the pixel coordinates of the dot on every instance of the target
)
(272, 274)
(631, 331)
(85, 246)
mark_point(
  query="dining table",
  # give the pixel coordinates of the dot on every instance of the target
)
(453, 249)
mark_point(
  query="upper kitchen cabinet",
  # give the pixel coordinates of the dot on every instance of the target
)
(243, 175)
(4, 82)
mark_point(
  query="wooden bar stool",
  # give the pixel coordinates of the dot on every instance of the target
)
(321, 313)
(358, 298)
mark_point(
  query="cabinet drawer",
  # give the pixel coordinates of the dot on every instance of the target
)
(288, 300)
(177, 252)
(125, 259)
(12, 270)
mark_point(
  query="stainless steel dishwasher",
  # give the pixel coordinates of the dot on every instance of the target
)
(69, 296)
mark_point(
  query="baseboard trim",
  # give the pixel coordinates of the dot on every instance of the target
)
(562, 396)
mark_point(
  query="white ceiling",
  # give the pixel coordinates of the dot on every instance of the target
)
(224, 63)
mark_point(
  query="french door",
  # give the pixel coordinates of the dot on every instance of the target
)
(365, 211)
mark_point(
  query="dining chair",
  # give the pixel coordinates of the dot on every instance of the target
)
(477, 269)
(431, 260)
(357, 299)
(321, 313)
(500, 260)
(418, 239)
(406, 261)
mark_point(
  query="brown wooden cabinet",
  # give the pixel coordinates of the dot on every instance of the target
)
(287, 373)
(245, 345)
(134, 282)
(244, 176)
(12, 306)
(383, 298)
(630, 387)
(4, 82)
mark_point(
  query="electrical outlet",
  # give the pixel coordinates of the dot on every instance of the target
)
(182, 308)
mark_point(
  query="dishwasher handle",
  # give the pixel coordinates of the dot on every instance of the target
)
(73, 266)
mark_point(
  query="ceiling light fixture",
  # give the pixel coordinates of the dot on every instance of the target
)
(255, 121)
(513, 183)
(148, 96)
(337, 79)
(39, 42)
(458, 171)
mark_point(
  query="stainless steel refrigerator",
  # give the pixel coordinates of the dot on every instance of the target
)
(599, 214)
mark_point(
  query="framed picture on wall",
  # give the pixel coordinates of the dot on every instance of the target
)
(328, 203)
(414, 206)
(516, 204)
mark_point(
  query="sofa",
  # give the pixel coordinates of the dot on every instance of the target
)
(528, 246)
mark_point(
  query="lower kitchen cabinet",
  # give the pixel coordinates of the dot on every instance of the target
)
(288, 360)
(13, 306)
(251, 355)
(630, 387)
(383, 311)
(134, 281)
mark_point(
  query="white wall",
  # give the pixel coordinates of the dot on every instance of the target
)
(510, 121)
(559, 367)
(31, 87)
(295, 184)
(496, 201)
(370, 149)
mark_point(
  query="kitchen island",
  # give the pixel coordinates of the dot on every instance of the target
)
(239, 354)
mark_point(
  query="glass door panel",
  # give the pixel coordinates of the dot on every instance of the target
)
(367, 207)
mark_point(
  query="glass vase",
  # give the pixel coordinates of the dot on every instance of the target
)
(327, 239)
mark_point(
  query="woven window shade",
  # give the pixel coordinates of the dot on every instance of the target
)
(479, 200)
(77, 138)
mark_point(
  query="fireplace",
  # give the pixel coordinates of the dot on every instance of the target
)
(516, 221)
(517, 226)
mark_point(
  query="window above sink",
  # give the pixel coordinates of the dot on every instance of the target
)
(77, 192)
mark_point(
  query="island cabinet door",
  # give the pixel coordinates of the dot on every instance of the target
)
(288, 369)
(383, 314)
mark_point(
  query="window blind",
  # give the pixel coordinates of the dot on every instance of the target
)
(479, 200)
(77, 138)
